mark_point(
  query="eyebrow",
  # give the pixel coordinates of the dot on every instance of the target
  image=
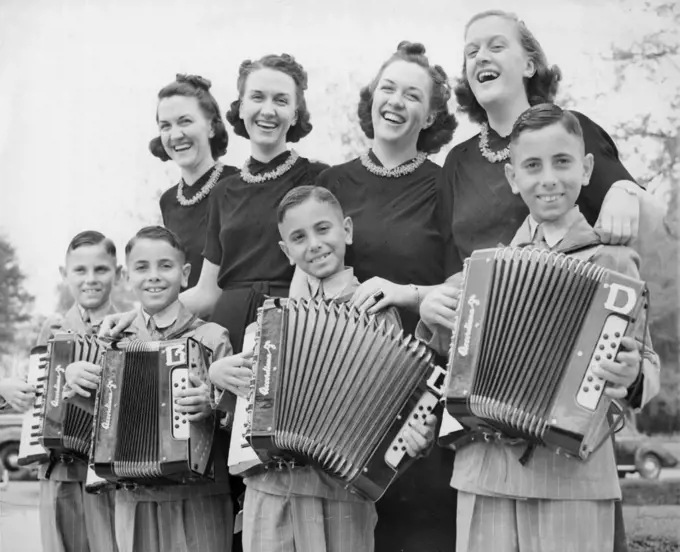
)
(407, 88)
(490, 39)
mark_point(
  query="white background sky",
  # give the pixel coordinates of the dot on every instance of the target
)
(78, 85)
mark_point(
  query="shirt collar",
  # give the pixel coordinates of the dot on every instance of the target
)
(333, 286)
(94, 316)
(552, 235)
(165, 318)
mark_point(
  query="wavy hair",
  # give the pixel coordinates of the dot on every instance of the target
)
(440, 132)
(285, 64)
(541, 87)
(194, 86)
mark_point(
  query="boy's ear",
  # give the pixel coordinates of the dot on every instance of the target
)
(510, 177)
(125, 273)
(588, 166)
(284, 248)
(348, 226)
(186, 270)
(62, 271)
(119, 274)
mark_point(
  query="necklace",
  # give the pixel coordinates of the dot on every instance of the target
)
(250, 178)
(492, 156)
(395, 172)
(205, 190)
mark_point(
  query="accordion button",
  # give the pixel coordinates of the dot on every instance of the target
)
(395, 448)
(590, 378)
(597, 357)
(400, 440)
(605, 336)
(597, 388)
(613, 345)
(586, 389)
(176, 426)
(601, 347)
(617, 334)
(176, 384)
(609, 356)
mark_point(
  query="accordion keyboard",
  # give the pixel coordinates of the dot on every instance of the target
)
(180, 423)
(30, 449)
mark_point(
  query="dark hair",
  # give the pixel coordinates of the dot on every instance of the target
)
(300, 194)
(158, 233)
(440, 132)
(193, 86)
(285, 64)
(545, 115)
(92, 237)
(541, 87)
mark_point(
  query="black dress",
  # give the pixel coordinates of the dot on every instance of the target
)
(486, 212)
(190, 223)
(243, 240)
(400, 230)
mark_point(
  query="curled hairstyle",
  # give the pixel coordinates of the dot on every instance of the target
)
(157, 233)
(440, 132)
(285, 64)
(301, 194)
(193, 86)
(541, 87)
(92, 237)
(544, 115)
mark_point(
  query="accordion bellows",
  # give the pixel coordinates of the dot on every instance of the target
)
(335, 388)
(531, 326)
(139, 436)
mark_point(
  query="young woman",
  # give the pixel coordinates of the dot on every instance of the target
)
(193, 135)
(243, 261)
(401, 228)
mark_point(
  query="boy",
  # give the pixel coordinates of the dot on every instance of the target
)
(552, 503)
(72, 520)
(181, 518)
(303, 508)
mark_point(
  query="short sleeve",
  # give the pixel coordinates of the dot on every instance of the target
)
(213, 248)
(607, 168)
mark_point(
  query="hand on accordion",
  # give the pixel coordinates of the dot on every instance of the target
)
(114, 325)
(439, 307)
(621, 372)
(194, 401)
(18, 394)
(83, 377)
(233, 373)
(377, 294)
(419, 435)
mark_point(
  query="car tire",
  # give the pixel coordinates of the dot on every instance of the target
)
(621, 474)
(649, 466)
(8, 461)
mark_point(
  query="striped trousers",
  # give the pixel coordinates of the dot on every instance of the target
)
(196, 524)
(72, 520)
(499, 524)
(274, 523)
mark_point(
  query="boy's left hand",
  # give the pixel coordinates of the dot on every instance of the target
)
(419, 435)
(194, 401)
(621, 372)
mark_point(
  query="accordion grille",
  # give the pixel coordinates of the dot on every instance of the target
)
(346, 379)
(137, 454)
(537, 305)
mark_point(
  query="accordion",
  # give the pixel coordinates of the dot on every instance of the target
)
(59, 425)
(335, 388)
(531, 326)
(140, 438)
(30, 449)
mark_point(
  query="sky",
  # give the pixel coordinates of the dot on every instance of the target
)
(79, 81)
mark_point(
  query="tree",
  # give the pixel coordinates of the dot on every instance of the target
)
(15, 301)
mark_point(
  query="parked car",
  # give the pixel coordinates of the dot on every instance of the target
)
(639, 453)
(10, 435)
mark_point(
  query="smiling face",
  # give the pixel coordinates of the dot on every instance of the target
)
(268, 109)
(495, 61)
(90, 273)
(401, 103)
(156, 272)
(315, 237)
(548, 169)
(185, 131)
